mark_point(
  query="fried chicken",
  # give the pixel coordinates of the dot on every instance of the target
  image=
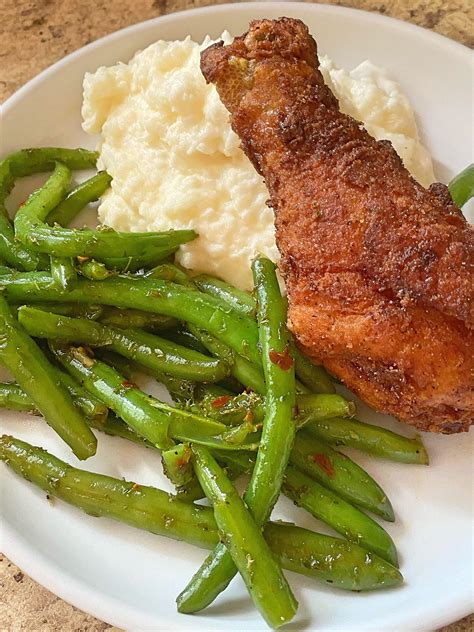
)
(379, 271)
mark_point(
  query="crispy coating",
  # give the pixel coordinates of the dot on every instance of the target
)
(379, 270)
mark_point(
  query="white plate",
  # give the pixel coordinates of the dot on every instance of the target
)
(130, 578)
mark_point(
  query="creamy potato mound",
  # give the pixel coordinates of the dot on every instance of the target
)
(165, 139)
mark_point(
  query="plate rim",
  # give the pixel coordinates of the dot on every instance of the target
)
(37, 566)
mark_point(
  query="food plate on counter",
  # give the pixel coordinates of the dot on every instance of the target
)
(131, 578)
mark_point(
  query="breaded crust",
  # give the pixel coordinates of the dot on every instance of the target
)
(379, 270)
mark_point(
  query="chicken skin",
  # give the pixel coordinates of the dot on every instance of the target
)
(379, 270)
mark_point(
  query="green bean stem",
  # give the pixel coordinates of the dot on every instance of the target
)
(22, 357)
(342, 564)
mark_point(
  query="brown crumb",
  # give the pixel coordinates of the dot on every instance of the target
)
(18, 577)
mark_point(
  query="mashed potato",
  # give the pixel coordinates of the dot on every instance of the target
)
(166, 140)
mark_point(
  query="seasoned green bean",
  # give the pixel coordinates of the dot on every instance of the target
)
(343, 517)
(23, 163)
(180, 389)
(136, 319)
(368, 438)
(461, 186)
(94, 270)
(147, 349)
(150, 295)
(63, 272)
(342, 564)
(312, 376)
(76, 310)
(169, 272)
(177, 464)
(13, 397)
(339, 473)
(31, 229)
(240, 300)
(246, 372)
(78, 198)
(277, 435)
(155, 421)
(21, 356)
(245, 543)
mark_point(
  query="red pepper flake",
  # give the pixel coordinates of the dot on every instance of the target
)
(135, 487)
(249, 416)
(221, 401)
(324, 463)
(127, 384)
(82, 259)
(283, 360)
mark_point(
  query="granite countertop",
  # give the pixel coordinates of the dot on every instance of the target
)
(35, 34)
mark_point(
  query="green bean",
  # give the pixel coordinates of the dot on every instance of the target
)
(371, 439)
(78, 198)
(277, 435)
(63, 272)
(181, 389)
(13, 252)
(139, 263)
(40, 203)
(234, 409)
(6, 270)
(340, 474)
(330, 556)
(31, 230)
(169, 272)
(147, 349)
(241, 301)
(20, 355)
(311, 375)
(342, 564)
(150, 295)
(94, 270)
(333, 510)
(461, 186)
(177, 464)
(155, 421)
(136, 319)
(77, 310)
(184, 337)
(23, 163)
(246, 372)
(13, 397)
(243, 539)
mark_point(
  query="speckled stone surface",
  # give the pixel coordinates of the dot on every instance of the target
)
(35, 34)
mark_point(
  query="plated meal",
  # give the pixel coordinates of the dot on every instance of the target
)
(367, 281)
